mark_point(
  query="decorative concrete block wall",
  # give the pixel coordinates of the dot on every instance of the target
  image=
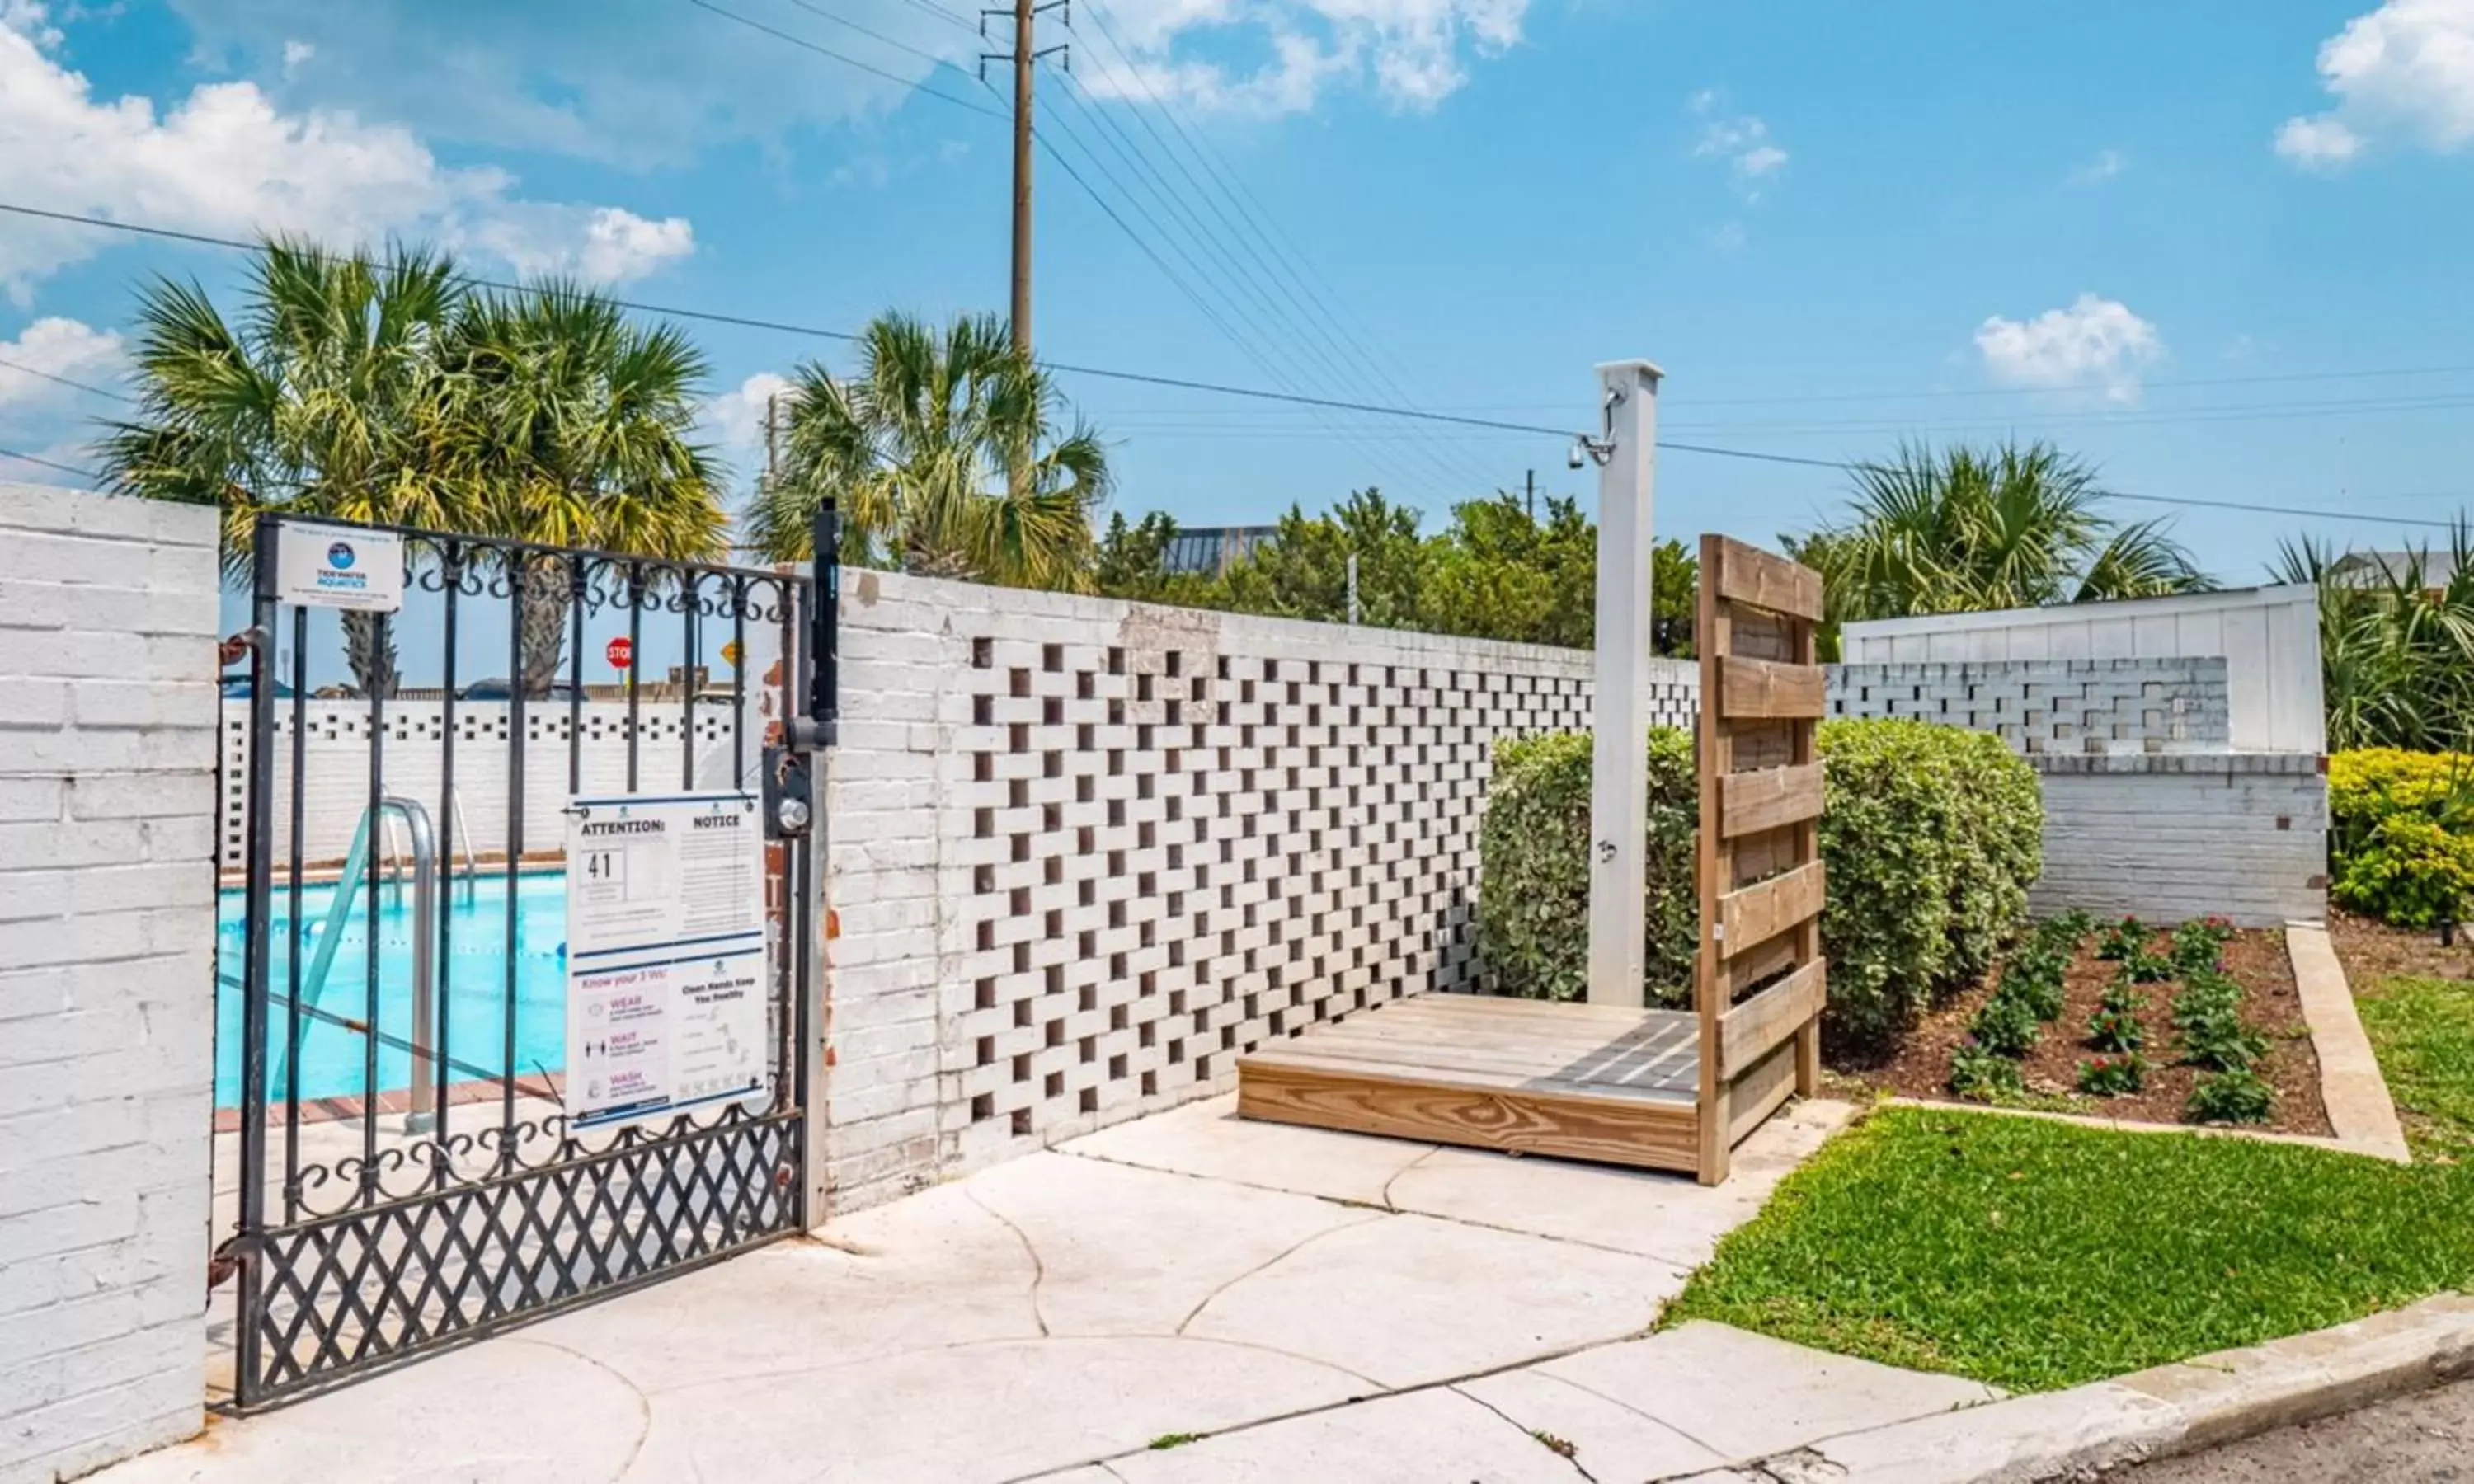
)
(2245, 834)
(1086, 853)
(106, 974)
(2052, 705)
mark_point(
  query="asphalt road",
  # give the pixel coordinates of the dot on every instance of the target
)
(2427, 1438)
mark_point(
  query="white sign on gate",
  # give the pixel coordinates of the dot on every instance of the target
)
(667, 964)
(339, 566)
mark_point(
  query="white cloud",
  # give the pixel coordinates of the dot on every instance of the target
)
(296, 55)
(2322, 143)
(1416, 53)
(1742, 140)
(735, 419)
(2093, 342)
(2405, 70)
(51, 347)
(225, 161)
(2106, 164)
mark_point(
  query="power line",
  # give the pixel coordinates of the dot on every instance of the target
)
(82, 386)
(1217, 389)
(89, 475)
(805, 44)
(822, 13)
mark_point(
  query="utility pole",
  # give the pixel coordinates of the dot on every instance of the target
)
(1531, 486)
(1025, 57)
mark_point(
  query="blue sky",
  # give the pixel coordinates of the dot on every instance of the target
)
(2115, 224)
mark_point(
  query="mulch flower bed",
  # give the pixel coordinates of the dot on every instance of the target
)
(2372, 950)
(2253, 958)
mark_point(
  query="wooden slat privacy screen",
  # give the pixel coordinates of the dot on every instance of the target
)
(1761, 880)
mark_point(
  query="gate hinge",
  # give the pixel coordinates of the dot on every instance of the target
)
(227, 1258)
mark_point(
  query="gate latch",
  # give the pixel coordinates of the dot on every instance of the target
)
(787, 812)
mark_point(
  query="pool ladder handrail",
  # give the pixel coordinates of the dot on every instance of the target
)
(425, 940)
(463, 837)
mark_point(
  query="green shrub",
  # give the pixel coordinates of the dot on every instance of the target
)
(2401, 834)
(2205, 997)
(2033, 976)
(2222, 1043)
(2005, 1025)
(2112, 1076)
(1534, 919)
(1931, 835)
(1978, 1073)
(2230, 1098)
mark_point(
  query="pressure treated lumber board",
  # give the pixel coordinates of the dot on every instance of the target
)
(1574, 1081)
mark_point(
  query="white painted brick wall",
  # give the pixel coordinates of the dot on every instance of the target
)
(1085, 853)
(107, 974)
(2169, 838)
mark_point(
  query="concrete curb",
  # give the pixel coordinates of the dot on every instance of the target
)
(2350, 1084)
(2197, 1403)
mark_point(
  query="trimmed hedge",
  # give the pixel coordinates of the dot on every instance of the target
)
(1932, 835)
(2401, 834)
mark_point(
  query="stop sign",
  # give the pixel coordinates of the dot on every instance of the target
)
(620, 652)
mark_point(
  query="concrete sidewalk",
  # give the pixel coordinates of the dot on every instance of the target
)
(1281, 1304)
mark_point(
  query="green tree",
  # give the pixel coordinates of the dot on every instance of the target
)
(322, 399)
(2397, 642)
(945, 456)
(1302, 571)
(1966, 529)
(389, 392)
(1132, 562)
(578, 423)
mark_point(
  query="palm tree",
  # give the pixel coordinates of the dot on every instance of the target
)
(944, 456)
(1968, 528)
(578, 423)
(392, 393)
(2397, 642)
(322, 400)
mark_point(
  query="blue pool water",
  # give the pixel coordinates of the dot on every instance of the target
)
(474, 975)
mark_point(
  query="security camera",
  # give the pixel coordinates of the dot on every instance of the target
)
(1574, 458)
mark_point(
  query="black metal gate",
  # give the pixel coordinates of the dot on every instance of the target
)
(407, 1175)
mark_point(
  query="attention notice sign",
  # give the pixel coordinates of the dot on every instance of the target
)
(666, 967)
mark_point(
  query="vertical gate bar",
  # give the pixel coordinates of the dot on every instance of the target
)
(739, 683)
(443, 998)
(255, 969)
(689, 581)
(575, 581)
(797, 862)
(635, 659)
(380, 635)
(516, 574)
(576, 587)
(292, 927)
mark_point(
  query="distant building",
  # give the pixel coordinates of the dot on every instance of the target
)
(1207, 551)
(2380, 568)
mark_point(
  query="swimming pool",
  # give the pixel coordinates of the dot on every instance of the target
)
(473, 974)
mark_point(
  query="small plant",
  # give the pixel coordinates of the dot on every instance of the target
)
(2006, 1025)
(2122, 938)
(2070, 926)
(2240, 1096)
(1561, 1447)
(2142, 965)
(2116, 1030)
(2205, 996)
(2113, 1076)
(1170, 1440)
(2199, 945)
(1978, 1073)
(2039, 990)
(2221, 1042)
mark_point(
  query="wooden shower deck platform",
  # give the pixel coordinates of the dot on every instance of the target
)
(1583, 1082)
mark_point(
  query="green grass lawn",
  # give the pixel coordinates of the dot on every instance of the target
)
(2033, 1255)
(2423, 1030)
